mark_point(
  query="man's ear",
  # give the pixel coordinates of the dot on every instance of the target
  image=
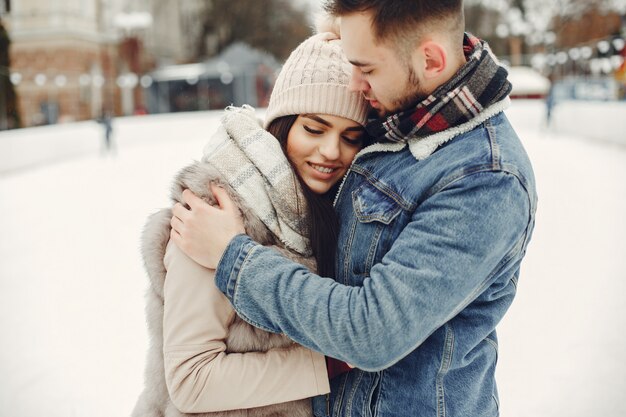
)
(435, 59)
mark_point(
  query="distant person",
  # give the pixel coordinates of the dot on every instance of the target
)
(107, 124)
(435, 219)
(284, 179)
(550, 104)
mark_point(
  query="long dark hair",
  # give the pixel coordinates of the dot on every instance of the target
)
(324, 223)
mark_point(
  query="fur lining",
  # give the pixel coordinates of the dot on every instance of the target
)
(154, 401)
(422, 148)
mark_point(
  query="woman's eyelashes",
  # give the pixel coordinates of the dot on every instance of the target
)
(352, 141)
(312, 131)
(352, 137)
(348, 139)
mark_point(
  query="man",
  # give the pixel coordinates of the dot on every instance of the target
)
(435, 220)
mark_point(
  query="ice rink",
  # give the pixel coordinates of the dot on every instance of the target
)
(72, 282)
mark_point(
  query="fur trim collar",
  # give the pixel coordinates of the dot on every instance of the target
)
(422, 148)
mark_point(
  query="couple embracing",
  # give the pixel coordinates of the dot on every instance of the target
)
(353, 254)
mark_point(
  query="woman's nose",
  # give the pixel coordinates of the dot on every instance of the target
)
(329, 148)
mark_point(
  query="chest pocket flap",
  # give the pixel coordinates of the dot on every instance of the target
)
(373, 205)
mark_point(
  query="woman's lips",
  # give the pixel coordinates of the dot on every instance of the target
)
(323, 171)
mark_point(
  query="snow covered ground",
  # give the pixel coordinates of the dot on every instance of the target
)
(72, 283)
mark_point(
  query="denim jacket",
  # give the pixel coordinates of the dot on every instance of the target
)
(431, 240)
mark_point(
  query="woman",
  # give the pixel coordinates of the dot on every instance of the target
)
(210, 359)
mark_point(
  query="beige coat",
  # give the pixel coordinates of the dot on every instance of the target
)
(203, 358)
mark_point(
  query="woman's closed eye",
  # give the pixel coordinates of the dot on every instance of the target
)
(353, 140)
(312, 131)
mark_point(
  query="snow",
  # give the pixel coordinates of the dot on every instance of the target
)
(72, 283)
(599, 120)
(527, 81)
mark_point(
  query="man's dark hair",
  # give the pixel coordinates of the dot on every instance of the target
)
(402, 20)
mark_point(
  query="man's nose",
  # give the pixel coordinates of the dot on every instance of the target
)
(357, 83)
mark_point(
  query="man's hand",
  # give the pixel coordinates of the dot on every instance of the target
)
(203, 232)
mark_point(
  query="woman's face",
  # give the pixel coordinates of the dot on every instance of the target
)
(321, 148)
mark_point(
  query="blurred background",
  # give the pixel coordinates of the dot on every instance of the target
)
(103, 101)
(80, 59)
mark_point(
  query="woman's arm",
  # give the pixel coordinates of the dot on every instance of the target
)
(200, 375)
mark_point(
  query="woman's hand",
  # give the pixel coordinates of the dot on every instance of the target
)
(204, 231)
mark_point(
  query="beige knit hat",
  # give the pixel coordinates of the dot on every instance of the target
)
(315, 79)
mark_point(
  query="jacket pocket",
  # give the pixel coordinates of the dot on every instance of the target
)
(321, 405)
(373, 205)
(374, 394)
(374, 212)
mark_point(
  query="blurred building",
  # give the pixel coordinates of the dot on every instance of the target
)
(62, 59)
(172, 39)
(239, 75)
(78, 59)
(593, 25)
(75, 59)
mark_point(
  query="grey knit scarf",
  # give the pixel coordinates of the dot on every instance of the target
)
(252, 162)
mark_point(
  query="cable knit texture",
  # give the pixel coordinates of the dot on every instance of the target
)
(315, 79)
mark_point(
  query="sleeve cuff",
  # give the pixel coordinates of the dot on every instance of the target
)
(230, 264)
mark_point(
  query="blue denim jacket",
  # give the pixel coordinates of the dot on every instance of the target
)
(428, 263)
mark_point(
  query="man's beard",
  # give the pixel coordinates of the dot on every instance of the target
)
(415, 95)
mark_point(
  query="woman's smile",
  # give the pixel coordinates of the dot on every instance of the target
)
(325, 170)
(321, 148)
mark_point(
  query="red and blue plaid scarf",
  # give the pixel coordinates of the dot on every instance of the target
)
(480, 83)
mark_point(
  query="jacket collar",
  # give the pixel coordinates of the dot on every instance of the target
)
(422, 148)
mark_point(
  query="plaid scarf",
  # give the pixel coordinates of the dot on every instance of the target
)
(480, 83)
(251, 160)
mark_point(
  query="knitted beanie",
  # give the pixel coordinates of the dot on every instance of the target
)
(314, 79)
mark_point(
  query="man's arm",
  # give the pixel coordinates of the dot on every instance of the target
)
(457, 240)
